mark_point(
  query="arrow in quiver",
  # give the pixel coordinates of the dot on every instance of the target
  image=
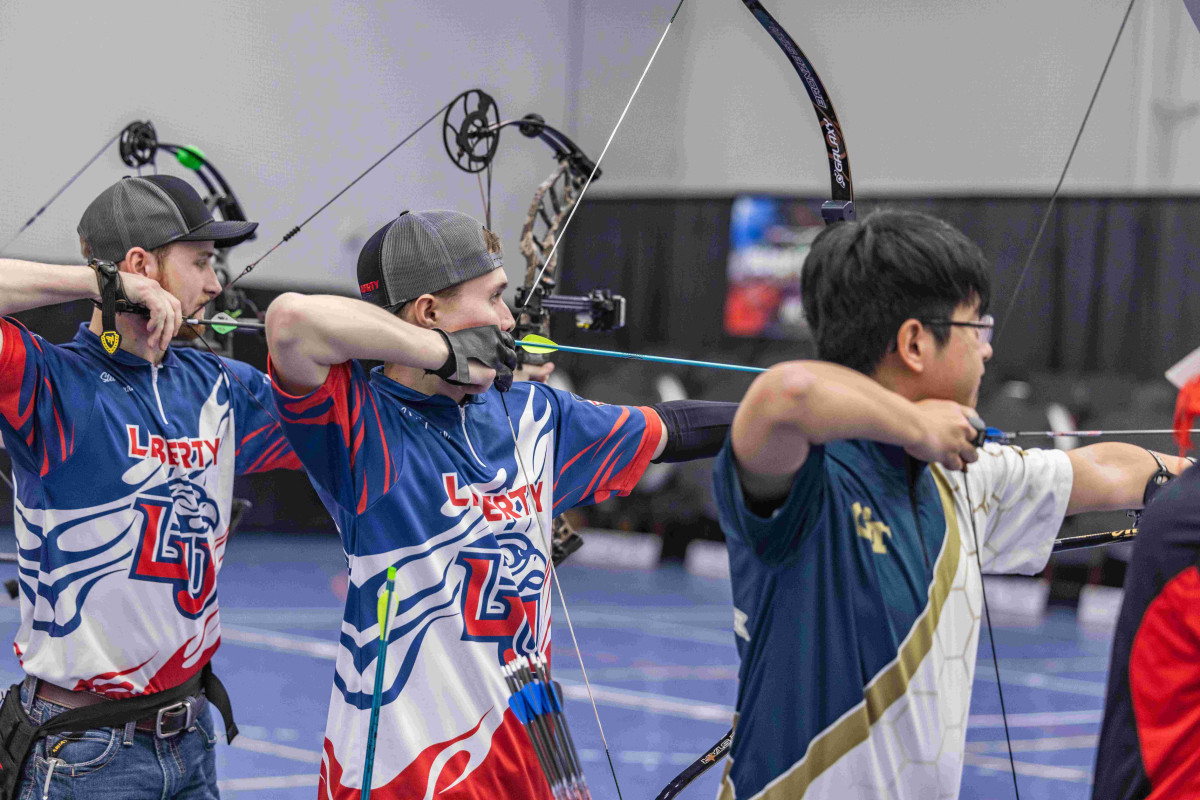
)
(537, 702)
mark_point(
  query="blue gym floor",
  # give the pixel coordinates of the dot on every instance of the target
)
(660, 656)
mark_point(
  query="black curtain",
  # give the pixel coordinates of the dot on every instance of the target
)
(1109, 289)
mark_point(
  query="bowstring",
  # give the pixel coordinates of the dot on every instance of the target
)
(596, 167)
(287, 236)
(1000, 328)
(991, 632)
(558, 585)
(516, 443)
(1063, 175)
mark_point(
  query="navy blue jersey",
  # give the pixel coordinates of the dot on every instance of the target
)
(436, 489)
(857, 607)
(124, 479)
(1150, 738)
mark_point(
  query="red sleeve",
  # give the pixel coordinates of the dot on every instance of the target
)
(18, 373)
(602, 450)
(1164, 681)
(39, 423)
(337, 433)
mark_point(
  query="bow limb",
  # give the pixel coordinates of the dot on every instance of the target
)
(839, 208)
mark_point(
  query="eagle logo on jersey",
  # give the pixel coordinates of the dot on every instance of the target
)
(495, 607)
(175, 544)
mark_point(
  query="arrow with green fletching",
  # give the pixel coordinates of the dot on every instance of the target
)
(226, 323)
(541, 345)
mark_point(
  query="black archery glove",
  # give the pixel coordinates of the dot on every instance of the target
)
(486, 344)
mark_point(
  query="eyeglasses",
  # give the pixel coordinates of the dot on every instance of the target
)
(983, 328)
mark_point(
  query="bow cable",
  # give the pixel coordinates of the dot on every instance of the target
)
(61, 189)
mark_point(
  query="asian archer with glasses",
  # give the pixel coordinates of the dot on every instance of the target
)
(858, 515)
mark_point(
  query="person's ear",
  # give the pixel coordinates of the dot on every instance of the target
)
(140, 262)
(425, 311)
(913, 345)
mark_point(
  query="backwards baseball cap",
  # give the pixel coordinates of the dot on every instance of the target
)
(151, 212)
(423, 252)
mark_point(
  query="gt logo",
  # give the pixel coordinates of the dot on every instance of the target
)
(869, 529)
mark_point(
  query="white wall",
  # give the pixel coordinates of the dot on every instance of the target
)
(292, 100)
(934, 96)
(289, 100)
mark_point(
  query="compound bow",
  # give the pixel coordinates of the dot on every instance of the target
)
(471, 143)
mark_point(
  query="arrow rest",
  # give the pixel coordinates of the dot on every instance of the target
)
(138, 144)
(471, 140)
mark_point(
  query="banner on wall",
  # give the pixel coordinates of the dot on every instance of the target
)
(769, 240)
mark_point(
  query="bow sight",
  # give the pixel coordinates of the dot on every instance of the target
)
(471, 132)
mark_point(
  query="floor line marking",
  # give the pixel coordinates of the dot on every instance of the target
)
(275, 749)
(267, 782)
(1001, 764)
(1046, 744)
(1036, 719)
(280, 642)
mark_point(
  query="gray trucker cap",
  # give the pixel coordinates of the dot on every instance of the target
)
(151, 212)
(422, 252)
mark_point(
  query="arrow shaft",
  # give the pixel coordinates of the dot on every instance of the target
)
(638, 356)
(248, 324)
(1092, 434)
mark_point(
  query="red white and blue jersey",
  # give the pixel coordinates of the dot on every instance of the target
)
(435, 489)
(124, 480)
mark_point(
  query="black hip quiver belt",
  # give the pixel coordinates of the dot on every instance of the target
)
(18, 734)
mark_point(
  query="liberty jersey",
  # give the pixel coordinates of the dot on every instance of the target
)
(124, 480)
(441, 492)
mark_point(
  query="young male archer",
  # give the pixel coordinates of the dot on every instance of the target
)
(124, 451)
(858, 514)
(438, 464)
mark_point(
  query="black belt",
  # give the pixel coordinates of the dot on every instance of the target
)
(167, 721)
(172, 710)
(164, 713)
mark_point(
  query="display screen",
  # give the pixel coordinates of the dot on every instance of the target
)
(769, 240)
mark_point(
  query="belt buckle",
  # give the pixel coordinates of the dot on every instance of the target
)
(189, 705)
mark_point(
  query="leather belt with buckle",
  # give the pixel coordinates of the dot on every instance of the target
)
(168, 721)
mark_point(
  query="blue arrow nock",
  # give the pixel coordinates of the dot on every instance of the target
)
(989, 434)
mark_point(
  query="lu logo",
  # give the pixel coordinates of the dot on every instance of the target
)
(869, 529)
(111, 341)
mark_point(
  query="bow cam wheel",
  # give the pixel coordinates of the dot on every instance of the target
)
(139, 144)
(470, 130)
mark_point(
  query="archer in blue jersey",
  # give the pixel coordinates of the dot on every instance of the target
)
(437, 464)
(124, 452)
(858, 516)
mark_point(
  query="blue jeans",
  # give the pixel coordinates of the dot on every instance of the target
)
(113, 763)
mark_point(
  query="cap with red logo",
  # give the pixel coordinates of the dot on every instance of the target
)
(423, 252)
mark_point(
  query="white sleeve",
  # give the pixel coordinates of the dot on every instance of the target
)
(1018, 499)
